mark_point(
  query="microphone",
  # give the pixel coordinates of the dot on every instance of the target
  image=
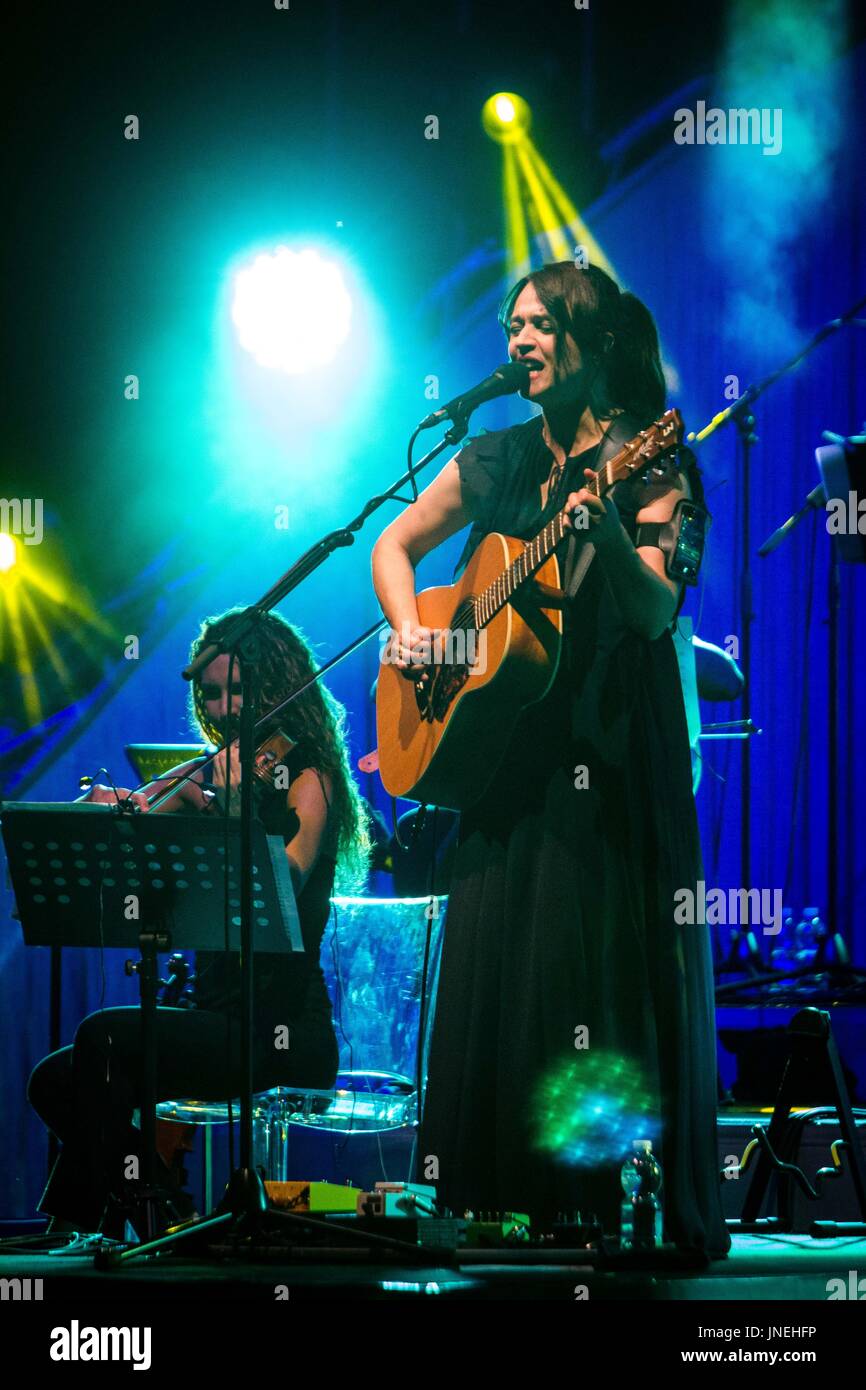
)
(510, 377)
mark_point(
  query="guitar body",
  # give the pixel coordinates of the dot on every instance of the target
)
(442, 743)
(449, 759)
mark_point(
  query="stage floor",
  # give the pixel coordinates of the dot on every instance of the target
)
(760, 1268)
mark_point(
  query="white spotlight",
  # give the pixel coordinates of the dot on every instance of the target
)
(291, 310)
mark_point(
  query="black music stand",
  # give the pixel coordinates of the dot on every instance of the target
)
(86, 874)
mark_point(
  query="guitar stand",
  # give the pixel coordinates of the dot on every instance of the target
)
(811, 1041)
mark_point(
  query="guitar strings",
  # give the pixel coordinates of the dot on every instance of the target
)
(470, 619)
(470, 607)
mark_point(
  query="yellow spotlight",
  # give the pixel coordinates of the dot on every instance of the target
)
(506, 118)
(540, 218)
(8, 552)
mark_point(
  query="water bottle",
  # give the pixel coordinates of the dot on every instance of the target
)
(641, 1210)
(783, 952)
(810, 930)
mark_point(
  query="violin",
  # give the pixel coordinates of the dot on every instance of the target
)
(271, 754)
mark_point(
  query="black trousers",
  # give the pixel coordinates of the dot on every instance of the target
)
(87, 1093)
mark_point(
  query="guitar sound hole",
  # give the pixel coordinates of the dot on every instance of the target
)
(447, 682)
(449, 669)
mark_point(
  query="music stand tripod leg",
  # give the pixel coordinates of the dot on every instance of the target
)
(145, 1204)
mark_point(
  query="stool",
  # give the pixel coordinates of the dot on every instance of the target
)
(273, 1111)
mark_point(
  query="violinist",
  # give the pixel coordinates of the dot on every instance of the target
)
(86, 1093)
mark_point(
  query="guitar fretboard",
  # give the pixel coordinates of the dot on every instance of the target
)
(636, 453)
(497, 594)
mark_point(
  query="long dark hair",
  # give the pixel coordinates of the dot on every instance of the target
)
(588, 305)
(316, 721)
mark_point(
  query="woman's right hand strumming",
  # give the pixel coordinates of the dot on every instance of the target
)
(411, 650)
(438, 513)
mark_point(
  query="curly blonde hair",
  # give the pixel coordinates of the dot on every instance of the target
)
(316, 721)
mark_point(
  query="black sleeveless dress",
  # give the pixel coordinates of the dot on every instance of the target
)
(574, 1015)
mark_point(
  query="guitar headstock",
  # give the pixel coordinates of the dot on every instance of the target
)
(664, 434)
(656, 439)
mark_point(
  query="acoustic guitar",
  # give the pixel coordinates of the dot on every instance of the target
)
(441, 738)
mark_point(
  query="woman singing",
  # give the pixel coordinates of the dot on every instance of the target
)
(574, 1014)
(86, 1093)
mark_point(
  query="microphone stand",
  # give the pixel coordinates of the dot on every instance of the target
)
(741, 413)
(245, 1202)
(840, 972)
